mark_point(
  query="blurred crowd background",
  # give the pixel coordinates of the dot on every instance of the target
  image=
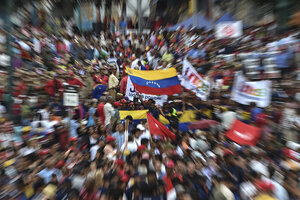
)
(115, 146)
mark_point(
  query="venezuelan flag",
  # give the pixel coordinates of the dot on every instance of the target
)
(155, 82)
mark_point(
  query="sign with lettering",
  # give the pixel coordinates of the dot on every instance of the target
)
(71, 97)
(191, 80)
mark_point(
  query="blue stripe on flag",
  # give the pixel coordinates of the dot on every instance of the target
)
(163, 83)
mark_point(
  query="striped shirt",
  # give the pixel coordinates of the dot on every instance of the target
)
(120, 139)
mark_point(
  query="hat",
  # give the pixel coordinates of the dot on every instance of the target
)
(73, 139)
(120, 162)
(141, 147)
(140, 127)
(123, 101)
(116, 104)
(110, 139)
(170, 164)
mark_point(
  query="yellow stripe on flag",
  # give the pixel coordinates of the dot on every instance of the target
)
(136, 114)
(186, 117)
(152, 74)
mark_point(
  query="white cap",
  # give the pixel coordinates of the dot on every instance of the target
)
(140, 127)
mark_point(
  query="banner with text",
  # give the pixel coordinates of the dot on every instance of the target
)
(245, 92)
(131, 93)
(191, 80)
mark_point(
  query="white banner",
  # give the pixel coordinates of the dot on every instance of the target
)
(130, 93)
(245, 92)
(191, 80)
(229, 29)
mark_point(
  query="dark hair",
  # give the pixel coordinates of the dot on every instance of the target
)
(130, 138)
(129, 117)
(134, 131)
(144, 141)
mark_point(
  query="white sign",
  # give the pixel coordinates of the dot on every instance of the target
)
(71, 99)
(229, 29)
(191, 80)
(130, 93)
(245, 92)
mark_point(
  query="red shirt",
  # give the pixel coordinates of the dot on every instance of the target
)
(100, 112)
(52, 86)
(168, 183)
(19, 89)
(123, 84)
(75, 81)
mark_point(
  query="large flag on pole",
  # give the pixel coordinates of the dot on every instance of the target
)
(243, 134)
(191, 80)
(157, 128)
(155, 82)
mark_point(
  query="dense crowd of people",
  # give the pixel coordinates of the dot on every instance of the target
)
(88, 152)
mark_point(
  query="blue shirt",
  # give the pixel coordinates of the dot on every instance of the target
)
(98, 91)
(282, 59)
(91, 119)
(255, 112)
(46, 174)
(120, 139)
(73, 128)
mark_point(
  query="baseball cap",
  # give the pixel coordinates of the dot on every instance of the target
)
(170, 164)
(140, 127)
(110, 139)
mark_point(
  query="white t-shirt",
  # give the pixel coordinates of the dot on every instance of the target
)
(44, 113)
(109, 112)
(131, 146)
(146, 134)
(93, 151)
(135, 63)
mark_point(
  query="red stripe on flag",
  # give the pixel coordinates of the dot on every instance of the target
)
(175, 89)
